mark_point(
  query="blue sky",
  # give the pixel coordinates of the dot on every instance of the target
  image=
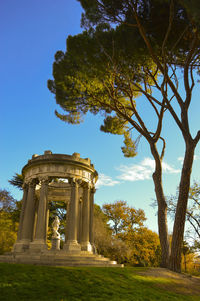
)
(31, 32)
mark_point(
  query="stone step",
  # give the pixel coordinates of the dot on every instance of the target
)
(61, 260)
(65, 260)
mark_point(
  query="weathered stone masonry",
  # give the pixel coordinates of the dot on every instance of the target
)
(78, 194)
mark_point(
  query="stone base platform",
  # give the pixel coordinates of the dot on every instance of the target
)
(60, 258)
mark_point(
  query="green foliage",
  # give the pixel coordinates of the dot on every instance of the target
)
(9, 219)
(17, 181)
(99, 79)
(193, 9)
(8, 232)
(110, 72)
(57, 209)
(9, 205)
(98, 213)
(114, 125)
(153, 14)
(107, 244)
(129, 148)
(7, 202)
(102, 232)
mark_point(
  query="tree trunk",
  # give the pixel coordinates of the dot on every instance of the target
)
(179, 222)
(185, 263)
(162, 208)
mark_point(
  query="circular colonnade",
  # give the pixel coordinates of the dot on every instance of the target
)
(40, 187)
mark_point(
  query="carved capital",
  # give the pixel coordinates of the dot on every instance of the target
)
(44, 180)
(73, 181)
(33, 182)
(80, 181)
(25, 185)
(86, 185)
(26, 182)
(93, 190)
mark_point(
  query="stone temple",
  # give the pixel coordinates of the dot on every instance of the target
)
(59, 178)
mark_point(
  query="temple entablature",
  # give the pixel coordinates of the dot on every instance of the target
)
(62, 166)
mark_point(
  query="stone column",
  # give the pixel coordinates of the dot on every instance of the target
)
(72, 244)
(17, 245)
(47, 219)
(85, 241)
(80, 219)
(39, 241)
(28, 220)
(67, 223)
(24, 201)
(92, 192)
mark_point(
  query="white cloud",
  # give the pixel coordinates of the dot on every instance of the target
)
(104, 180)
(182, 158)
(134, 172)
(143, 170)
(169, 169)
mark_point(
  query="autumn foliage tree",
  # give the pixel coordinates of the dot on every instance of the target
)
(9, 220)
(105, 242)
(132, 242)
(131, 48)
(123, 217)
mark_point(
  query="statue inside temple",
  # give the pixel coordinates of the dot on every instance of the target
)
(55, 225)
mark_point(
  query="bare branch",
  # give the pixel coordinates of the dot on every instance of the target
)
(186, 71)
(147, 95)
(194, 227)
(159, 126)
(153, 77)
(163, 149)
(197, 138)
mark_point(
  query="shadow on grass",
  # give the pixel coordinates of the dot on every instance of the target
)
(28, 282)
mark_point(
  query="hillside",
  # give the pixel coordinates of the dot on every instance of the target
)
(28, 282)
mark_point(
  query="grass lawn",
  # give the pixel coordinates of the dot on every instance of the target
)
(29, 282)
